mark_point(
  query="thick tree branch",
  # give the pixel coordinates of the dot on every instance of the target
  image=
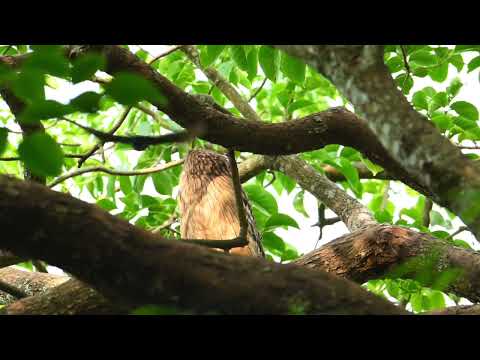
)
(128, 263)
(69, 298)
(224, 86)
(361, 75)
(386, 250)
(333, 126)
(458, 310)
(32, 283)
(350, 210)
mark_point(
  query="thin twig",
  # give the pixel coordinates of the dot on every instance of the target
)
(67, 144)
(163, 123)
(115, 127)
(274, 177)
(237, 186)
(138, 142)
(168, 52)
(468, 147)
(12, 290)
(460, 229)
(12, 131)
(114, 171)
(405, 61)
(166, 224)
(16, 158)
(258, 90)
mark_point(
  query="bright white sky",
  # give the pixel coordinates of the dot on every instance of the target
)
(304, 239)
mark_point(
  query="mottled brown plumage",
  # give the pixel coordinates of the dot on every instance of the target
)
(207, 203)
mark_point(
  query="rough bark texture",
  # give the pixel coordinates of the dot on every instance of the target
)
(413, 141)
(31, 283)
(350, 210)
(70, 298)
(141, 268)
(255, 164)
(458, 310)
(375, 252)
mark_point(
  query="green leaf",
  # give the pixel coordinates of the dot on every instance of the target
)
(299, 104)
(374, 168)
(225, 69)
(439, 73)
(29, 85)
(268, 58)
(261, 198)
(298, 203)
(41, 154)
(125, 185)
(423, 58)
(465, 109)
(454, 87)
(86, 66)
(293, 68)
(88, 102)
(463, 48)
(457, 61)
(350, 172)
(210, 54)
(437, 300)
(273, 243)
(239, 56)
(49, 60)
(287, 182)
(473, 64)
(43, 110)
(395, 64)
(129, 89)
(277, 220)
(252, 63)
(163, 183)
(419, 100)
(106, 204)
(442, 121)
(405, 83)
(3, 139)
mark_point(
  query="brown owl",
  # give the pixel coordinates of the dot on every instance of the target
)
(207, 203)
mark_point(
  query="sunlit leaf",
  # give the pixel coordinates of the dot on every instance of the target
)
(41, 154)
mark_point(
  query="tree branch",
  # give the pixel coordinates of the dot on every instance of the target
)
(112, 131)
(413, 141)
(386, 250)
(141, 268)
(337, 126)
(110, 171)
(138, 142)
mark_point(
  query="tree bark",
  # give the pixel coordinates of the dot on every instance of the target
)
(32, 283)
(413, 141)
(386, 250)
(70, 298)
(128, 263)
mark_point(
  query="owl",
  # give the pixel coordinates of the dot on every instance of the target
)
(207, 203)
